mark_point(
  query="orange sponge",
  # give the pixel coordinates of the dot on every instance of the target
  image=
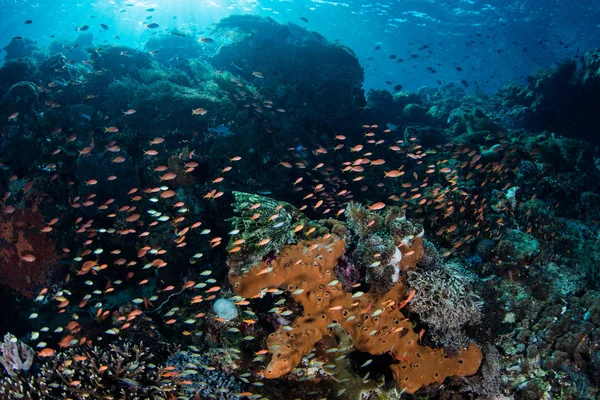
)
(375, 322)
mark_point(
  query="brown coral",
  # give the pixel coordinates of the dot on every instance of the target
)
(306, 271)
(182, 177)
(19, 237)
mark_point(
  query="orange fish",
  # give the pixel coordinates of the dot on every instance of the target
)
(28, 258)
(133, 218)
(66, 341)
(199, 111)
(377, 206)
(393, 174)
(47, 352)
(188, 284)
(168, 176)
(409, 298)
(167, 194)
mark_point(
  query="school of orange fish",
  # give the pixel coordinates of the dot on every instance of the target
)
(379, 166)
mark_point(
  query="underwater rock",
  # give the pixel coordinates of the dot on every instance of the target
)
(80, 115)
(562, 153)
(15, 71)
(381, 106)
(590, 74)
(517, 248)
(168, 48)
(479, 128)
(528, 173)
(493, 154)
(374, 254)
(590, 205)
(561, 98)
(20, 48)
(220, 385)
(119, 61)
(156, 94)
(320, 80)
(428, 136)
(20, 97)
(75, 50)
(415, 112)
(386, 244)
(484, 249)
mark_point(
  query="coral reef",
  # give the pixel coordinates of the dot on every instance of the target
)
(127, 371)
(261, 219)
(386, 243)
(306, 272)
(324, 102)
(27, 255)
(118, 167)
(558, 99)
(204, 379)
(16, 356)
(446, 301)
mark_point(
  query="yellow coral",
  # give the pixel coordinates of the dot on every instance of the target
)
(375, 322)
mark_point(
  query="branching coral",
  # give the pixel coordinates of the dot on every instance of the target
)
(260, 218)
(446, 301)
(16, 355)
(375, 322)
(125, 372)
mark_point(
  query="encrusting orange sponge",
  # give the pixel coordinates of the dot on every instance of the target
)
(375, 322)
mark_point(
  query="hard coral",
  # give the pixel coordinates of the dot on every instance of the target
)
(384, 240)
(306, 271)
(446, 301)
(124, 372)
(16, 355)
(260, 218)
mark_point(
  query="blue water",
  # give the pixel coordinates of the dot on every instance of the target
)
(491, 41)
